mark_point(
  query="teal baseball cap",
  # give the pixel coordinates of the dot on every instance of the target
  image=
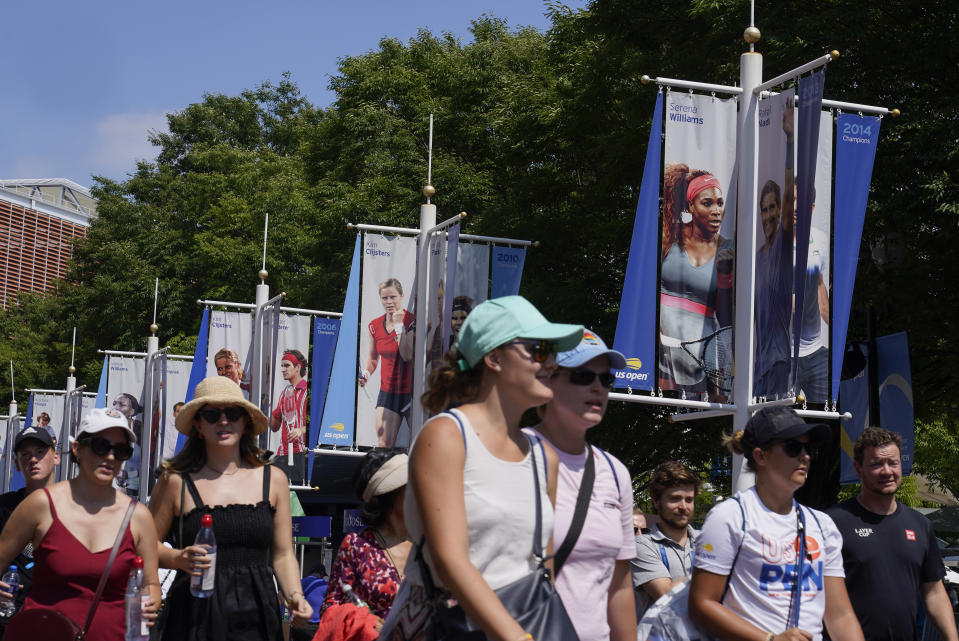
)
(500, 320)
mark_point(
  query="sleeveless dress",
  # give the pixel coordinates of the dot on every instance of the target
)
(244, 603)
(66, 576)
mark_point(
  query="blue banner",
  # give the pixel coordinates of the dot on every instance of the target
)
(853, 398)
(636, 324)
(325, 331)
(101, 401)
(313, 527)
(856, 140)
(352, 520)
(339, 415)
(507, 270)
(895, 392)
(807, 148)
(198, 369)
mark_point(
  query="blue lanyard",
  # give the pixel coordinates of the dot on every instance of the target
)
(662, 555)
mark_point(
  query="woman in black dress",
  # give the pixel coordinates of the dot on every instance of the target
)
(220, 472)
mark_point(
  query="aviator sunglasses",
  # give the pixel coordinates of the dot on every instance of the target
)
(793, 448)
(586, 377)
(212, 414)
(538, 350)
(102, 447)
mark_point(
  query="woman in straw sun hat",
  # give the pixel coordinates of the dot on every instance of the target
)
(220, 471)
(472, 495)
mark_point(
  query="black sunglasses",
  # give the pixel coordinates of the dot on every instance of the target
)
(102, 447)
(538, 350)
(586, 377)
(794, 448)
(212, 414)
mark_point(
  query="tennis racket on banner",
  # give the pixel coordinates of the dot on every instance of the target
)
(289, 418)
(714, 353)
(369, 397)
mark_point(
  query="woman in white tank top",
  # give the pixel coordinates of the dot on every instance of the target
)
(471, 469)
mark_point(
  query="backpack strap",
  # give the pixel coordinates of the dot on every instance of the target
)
(619, 492)
(729, 577)
(579, 513)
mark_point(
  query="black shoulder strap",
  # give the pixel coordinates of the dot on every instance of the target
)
(266, 483)
(193, 491)
(579, 514)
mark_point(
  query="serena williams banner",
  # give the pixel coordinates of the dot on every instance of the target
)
(697, 248)
(386, 341)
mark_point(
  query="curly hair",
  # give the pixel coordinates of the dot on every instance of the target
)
(378, 508)
(738, 443)
(675, 181)
(874, 437)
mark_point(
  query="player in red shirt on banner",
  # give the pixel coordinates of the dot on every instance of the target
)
(289, 416)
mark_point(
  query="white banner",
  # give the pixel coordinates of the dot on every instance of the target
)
(386, 344)
(125, 394)
(698, 244)
(290, 383)
(231, 334)
(177, 380)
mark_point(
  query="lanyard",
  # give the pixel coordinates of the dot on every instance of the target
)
(795, 599)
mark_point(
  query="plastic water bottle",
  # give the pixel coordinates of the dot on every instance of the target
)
(352, 597)
(11, 578)
(202, 586)
(135, 600)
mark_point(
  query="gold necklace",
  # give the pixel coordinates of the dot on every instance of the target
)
(223, 472)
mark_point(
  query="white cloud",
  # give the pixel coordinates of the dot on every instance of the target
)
(121, 140)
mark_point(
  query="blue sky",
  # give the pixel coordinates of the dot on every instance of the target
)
(85, 81)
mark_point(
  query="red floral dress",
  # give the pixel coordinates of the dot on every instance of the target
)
(365, 565)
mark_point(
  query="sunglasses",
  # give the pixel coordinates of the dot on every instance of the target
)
(794, 448)
(212, 414)
(102, 447)
(538, 350)
(586, 377)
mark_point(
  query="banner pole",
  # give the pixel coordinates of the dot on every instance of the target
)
(750, 76)
(427, 222)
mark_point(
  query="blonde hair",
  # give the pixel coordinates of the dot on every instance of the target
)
(738, 444)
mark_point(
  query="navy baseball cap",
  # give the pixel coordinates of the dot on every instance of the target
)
(778, 423)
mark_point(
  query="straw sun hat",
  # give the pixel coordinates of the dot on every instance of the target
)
(218, 389)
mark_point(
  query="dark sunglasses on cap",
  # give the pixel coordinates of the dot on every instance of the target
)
(102, 447)
(793, 448)
(538, 350)
(212, 414)
(586, 377)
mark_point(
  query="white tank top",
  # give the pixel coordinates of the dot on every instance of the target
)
(500, 513)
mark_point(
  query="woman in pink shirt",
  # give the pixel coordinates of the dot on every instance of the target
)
(594, 580)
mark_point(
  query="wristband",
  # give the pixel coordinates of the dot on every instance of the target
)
(365, 374)
(398, 329)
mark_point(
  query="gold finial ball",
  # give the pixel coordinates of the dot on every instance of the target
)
(752, 35)
(154, 328)
(800, 398)
(429, 191)
(644, 79)
(895, 113)
(263, 274)
(72, 370)
(833, 54)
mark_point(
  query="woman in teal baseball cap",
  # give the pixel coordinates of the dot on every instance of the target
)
(472, 507)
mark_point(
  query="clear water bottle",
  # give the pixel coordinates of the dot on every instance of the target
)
(202, 586)
(135, 599)
(11, 578)
(353, 597)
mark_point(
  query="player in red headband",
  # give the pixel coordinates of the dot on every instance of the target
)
(696, 286)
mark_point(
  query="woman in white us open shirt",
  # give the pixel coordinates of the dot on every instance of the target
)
(745, 560)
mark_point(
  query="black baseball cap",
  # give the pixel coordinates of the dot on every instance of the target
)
(36, 433)
(778, 423)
